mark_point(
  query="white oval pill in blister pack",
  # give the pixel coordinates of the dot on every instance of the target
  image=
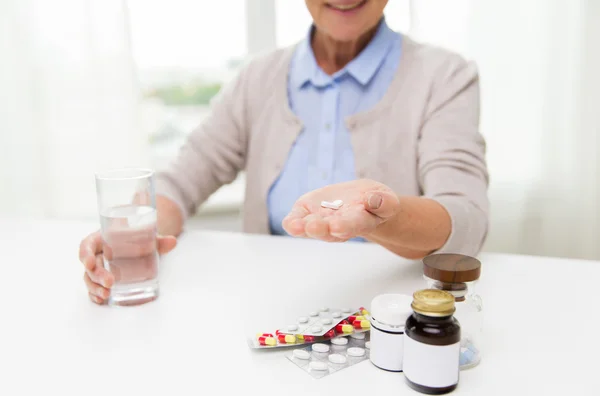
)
(292, 327)
(356, 352)
(339, 341)
(323, 348)
(319, 366)
(302, 319)
(301, 354)
(336, 358)
(358, 336)
(326, 321)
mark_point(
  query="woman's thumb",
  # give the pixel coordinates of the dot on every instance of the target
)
(381, 203)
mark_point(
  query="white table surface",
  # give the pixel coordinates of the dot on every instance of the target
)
(541, 318)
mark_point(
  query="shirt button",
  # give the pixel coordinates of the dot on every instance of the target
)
(327, 126)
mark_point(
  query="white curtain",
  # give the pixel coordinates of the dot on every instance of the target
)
(539, 64)
(68, 104)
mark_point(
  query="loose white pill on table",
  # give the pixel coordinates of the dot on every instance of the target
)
(356, 352)
(336, 314)
(368, 344)
(326, 321)
(337, 358)
(313, 313)
(302, 319)
(318, 347)
(358, 336)
(292, 327)
(319, 366)
(339, 341)
(316, 329)
(301, 354)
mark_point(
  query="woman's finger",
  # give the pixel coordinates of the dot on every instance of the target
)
(94, 288)
(89, 248)
(166, 244)
(318, 228)
(100, 275)
(294, 223)
(352, 224)
(96, 299)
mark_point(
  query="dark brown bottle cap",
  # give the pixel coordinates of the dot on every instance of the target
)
(451, 268)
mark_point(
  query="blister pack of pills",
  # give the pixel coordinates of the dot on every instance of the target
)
(323, 359)
(317, 326)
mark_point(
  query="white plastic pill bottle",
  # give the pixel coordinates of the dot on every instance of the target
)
(388, 319)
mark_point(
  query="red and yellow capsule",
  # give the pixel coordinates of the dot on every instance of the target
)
(309, 338)
(352, 318)
(329, 334)
(344, 328)
(361, 324)
(363, 311)
(286, 338)
(264, 335)
(267, 341)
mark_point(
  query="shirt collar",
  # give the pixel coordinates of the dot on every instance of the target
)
(362, 68)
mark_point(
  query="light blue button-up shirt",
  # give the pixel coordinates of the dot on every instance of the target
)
(322, 153)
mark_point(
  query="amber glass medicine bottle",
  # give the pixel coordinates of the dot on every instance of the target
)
(432, 343)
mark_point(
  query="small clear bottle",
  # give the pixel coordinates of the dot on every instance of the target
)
(458, 274)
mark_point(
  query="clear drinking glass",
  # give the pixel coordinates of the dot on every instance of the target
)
(127, 208)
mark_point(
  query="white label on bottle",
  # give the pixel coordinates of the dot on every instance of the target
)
(386, 349)
(431, 365)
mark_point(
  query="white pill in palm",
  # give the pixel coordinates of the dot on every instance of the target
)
(301, 354)
(339, 341)
(323, 348)
(331, 205)
(319, 366)
(356, 352)
(338, 202)
(337, 358)
(302, 319)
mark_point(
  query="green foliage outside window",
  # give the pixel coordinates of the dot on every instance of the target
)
(189, 94)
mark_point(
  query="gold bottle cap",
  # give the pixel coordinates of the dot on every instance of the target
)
(433, 302)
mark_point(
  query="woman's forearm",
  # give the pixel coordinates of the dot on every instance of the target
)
(420, 227)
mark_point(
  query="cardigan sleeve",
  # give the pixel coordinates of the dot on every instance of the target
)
(452, 165)
(213, 153)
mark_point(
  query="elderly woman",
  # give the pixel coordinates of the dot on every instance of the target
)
(354, 112)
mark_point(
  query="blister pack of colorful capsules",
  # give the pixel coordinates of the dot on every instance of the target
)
(322, 359)
(317, 326)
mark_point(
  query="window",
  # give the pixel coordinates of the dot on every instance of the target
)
(183, 51)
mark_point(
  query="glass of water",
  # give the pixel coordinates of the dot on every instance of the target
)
(127, 207)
